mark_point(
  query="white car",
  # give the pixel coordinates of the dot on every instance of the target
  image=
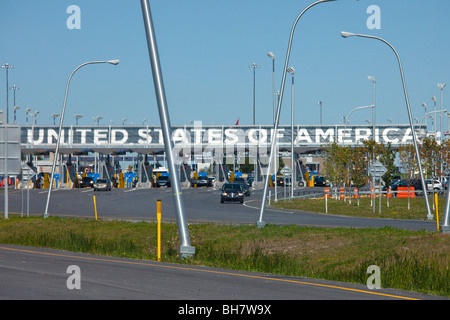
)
(435, 185)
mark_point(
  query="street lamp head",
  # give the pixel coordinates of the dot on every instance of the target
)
(114, 62)
(424, 105)
(345, 34)
(372, 79)
(270, 55)
(441, 85)
(433, 98)
(291, 70)
(16, 107)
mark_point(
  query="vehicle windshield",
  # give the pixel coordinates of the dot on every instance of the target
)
(232, 187)
(102, 180)
(163, 178)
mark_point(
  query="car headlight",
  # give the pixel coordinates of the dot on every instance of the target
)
(224, 194)
(240, 193)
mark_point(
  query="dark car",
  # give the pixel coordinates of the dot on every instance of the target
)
(163, 182)
(103, 184)
(87, 182)
(320, 181)
(245, 185)
(232, 192)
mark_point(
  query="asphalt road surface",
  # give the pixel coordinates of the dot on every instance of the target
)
(31, 273)
(201, 205)
(45, 274)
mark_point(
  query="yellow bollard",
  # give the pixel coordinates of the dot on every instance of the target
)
(437, 210)
(95, 208)
(158, 218)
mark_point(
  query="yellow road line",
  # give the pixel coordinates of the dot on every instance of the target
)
(207, 271)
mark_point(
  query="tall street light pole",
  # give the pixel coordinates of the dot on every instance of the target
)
(14, 88)
(185, 250)
(441, 86)
(320, 105)
(15, 110)
(272, 56)
(7, 67)
(419, 164)
(113, 62)
(254, 66)
(291, 70)
(374, 81)
(260, 222)
(77, 116)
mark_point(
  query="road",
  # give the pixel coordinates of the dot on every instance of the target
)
(31, 273)
(201, 205)
(44, 274)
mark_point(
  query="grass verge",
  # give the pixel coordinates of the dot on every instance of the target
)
(408, 260)
(399, 208)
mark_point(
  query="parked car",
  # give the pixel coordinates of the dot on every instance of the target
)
(434, 185)
(232, 192)
(87, 182)
(163, 181)
(103, 184)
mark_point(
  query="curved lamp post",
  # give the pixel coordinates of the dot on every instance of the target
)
(114, 62)
(419, 164)
(260, 222)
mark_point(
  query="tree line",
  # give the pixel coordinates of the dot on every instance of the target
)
(348, 165)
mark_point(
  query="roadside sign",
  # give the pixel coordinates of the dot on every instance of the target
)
(377, 169)
(286, 171)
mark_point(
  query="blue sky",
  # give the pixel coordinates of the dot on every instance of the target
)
(206, 47)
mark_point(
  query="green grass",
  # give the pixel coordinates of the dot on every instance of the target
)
(398, 207)
(408, 260)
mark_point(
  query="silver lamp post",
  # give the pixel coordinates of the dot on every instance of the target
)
(35, 117)
(291, 70)
(185, 250)
(374, 81)
(419, 164)
(425, 106)
(27, 111)
(15, 110)
(260, 222)
(113, 62)
(320, 105)
(441, 86)
(77, 117)
(7, 67)
(97, 119)
(272, 56)
(54, 116)
(14, 88)
(254, 66)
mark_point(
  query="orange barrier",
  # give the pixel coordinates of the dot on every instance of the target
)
(327, 192)
(342, 193)
(389, 194)
(409, 194)
(355, 193)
